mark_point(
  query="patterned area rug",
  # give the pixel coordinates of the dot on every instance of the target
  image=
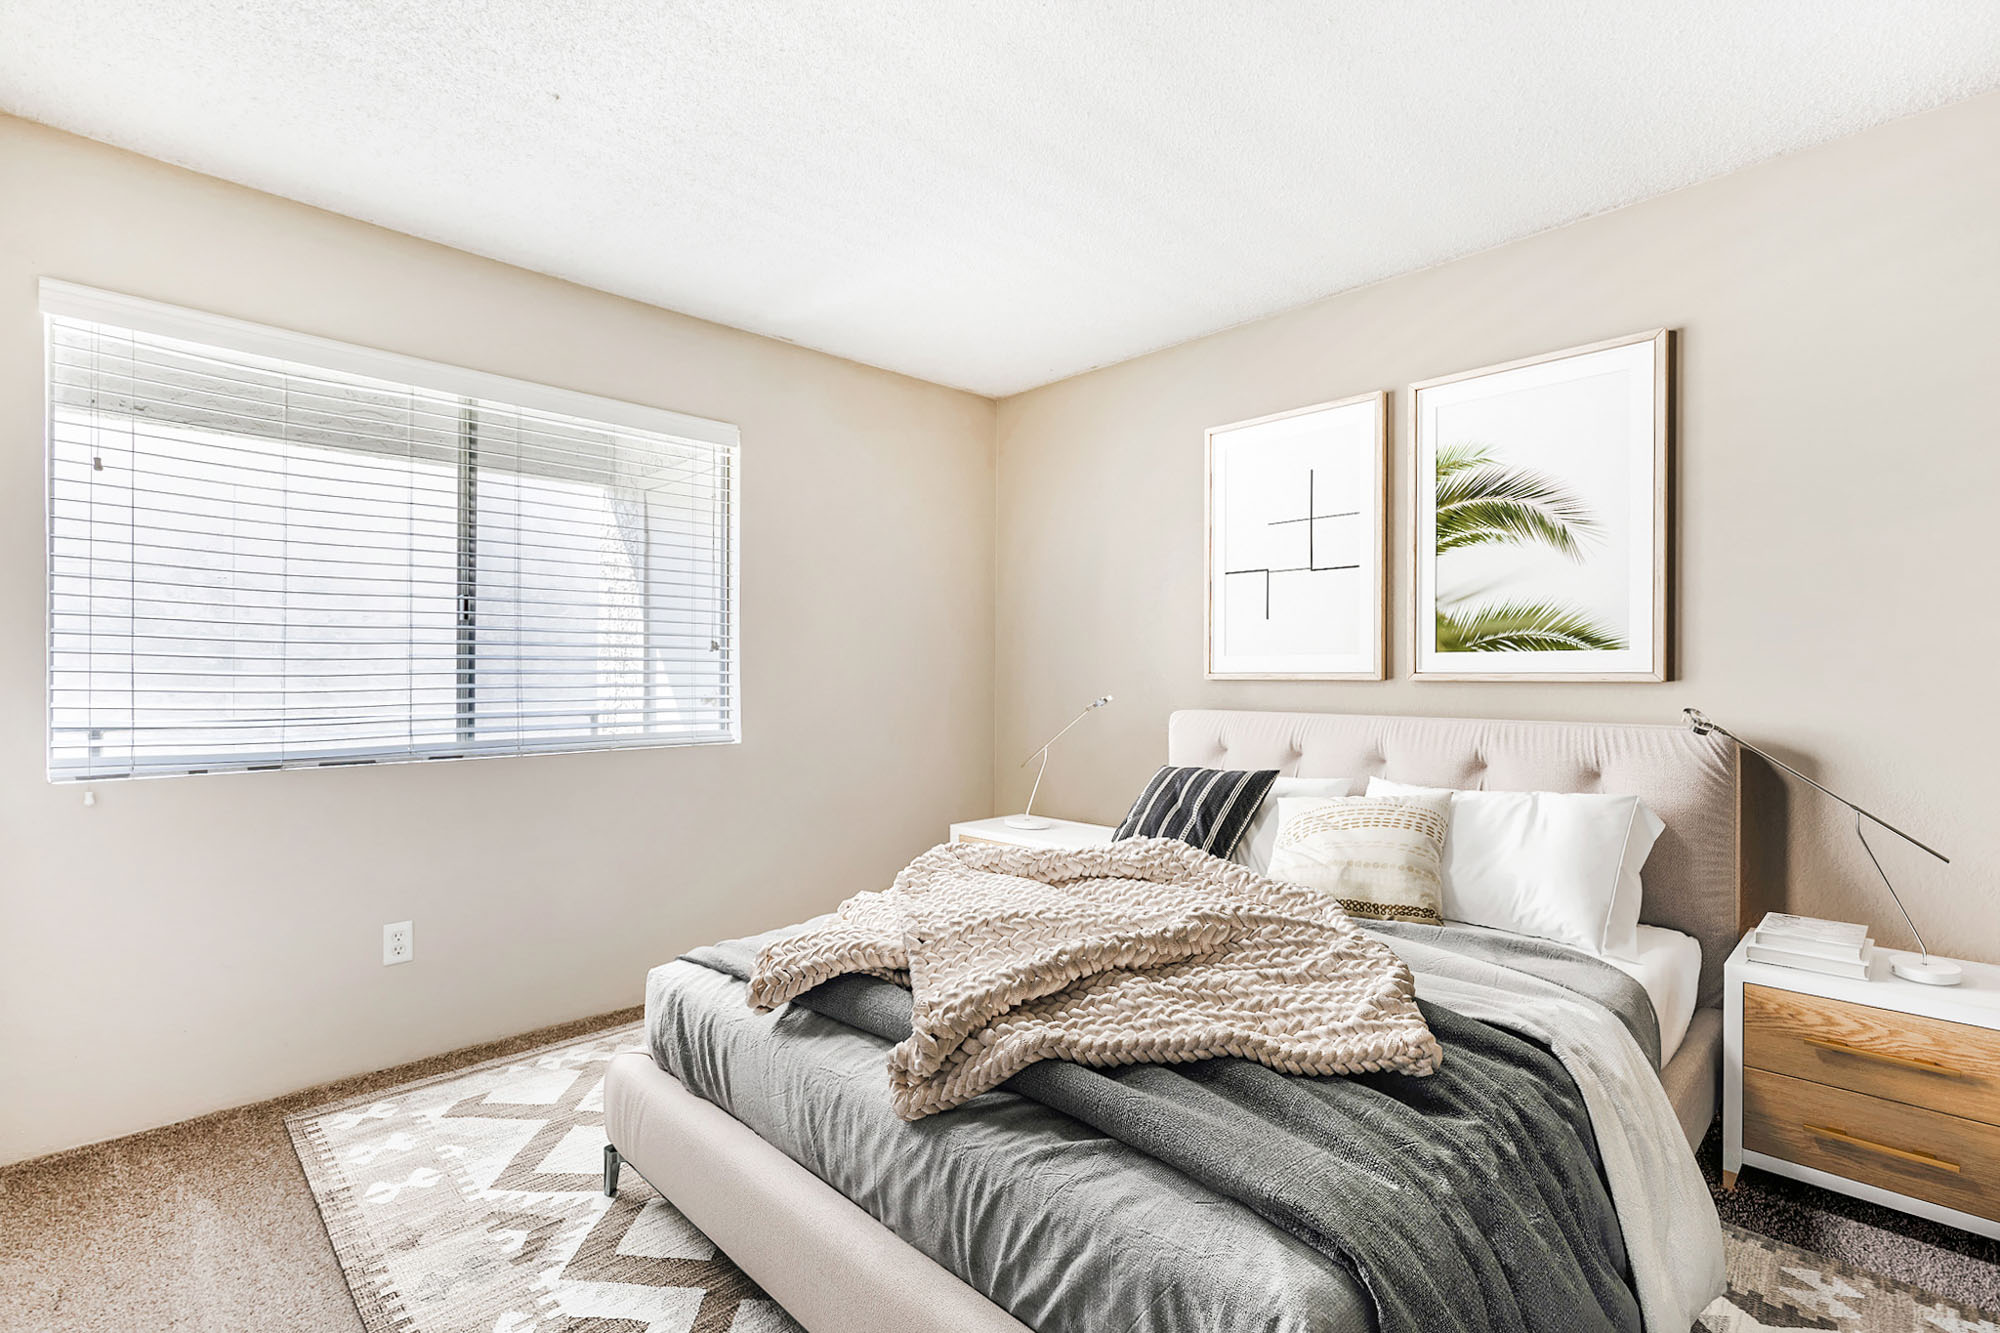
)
(1773, 1285)
(472, 1203)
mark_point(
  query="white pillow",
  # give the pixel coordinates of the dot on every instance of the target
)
(1563, 866)
(1253, 849)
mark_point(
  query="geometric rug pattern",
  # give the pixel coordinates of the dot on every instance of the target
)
(472, 1202)
(1773, 1285)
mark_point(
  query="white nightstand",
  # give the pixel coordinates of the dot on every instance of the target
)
(1059, 833)
(1883, 1089)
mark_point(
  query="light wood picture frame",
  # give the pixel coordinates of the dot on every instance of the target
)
(1297, 544)
(1541, 514)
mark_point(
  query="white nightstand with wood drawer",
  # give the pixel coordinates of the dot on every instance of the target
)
(1884, 1089)
(1059, 833)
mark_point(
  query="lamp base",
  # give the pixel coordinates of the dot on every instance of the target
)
(1027, 821)
(1928, 971)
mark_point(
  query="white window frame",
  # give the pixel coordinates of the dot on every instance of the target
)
(70, 300)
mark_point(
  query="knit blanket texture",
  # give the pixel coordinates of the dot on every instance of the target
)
(1142, 951)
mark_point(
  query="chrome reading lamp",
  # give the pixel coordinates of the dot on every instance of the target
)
(1028, 818)
(1930, 971)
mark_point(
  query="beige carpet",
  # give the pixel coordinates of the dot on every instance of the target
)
(206, 1225)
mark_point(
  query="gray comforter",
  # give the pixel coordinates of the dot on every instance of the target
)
(1211, 1195)
(1592, 978)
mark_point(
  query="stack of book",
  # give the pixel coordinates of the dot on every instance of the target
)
(1837, 948)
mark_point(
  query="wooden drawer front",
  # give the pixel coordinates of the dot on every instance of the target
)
(1927, 1062)
(1937, 1157)
(985, 842)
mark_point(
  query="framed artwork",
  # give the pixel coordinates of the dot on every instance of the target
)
(1540, 516)
(1296, 543)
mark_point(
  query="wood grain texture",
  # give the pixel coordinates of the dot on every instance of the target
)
(1930, 1063)
(1926, 1154)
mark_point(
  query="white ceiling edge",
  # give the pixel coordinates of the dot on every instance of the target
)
(1445, 261)
(986, 196)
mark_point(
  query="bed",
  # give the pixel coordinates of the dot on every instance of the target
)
(835, 1267)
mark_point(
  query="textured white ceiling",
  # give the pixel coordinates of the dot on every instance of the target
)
(989, 195)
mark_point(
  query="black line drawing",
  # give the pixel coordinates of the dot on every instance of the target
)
(1312, 521)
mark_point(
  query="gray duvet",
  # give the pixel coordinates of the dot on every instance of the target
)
(1073, 1228)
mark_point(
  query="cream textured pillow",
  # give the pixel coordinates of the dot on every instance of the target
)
(1253, 849)
(1379, 857)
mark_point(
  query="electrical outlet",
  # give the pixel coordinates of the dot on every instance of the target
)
(399, 943)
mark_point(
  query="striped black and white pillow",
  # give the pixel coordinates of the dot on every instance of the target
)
(1205, 807)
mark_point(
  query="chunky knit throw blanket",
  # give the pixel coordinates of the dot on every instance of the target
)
(1142, 951)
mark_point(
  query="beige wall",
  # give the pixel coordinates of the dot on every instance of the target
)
(193, 943)
(1839, 466)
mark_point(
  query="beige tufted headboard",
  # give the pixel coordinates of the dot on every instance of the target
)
(1693, 878)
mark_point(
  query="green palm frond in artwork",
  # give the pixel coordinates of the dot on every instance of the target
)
(1522, 627)
(1458, 457)
(1480, 500)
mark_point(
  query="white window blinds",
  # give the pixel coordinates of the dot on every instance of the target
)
(264, 561)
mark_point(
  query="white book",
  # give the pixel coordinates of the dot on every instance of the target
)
(1799, 944)
(1805, 962)
(1780, 926)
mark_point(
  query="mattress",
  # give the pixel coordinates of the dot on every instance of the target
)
(1669, 967)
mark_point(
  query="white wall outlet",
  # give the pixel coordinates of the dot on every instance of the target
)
(399, 943)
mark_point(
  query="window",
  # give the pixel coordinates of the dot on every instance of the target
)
(271, 551)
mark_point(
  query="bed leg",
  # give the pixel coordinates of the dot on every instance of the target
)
(1729, 1180)
(611, 1164)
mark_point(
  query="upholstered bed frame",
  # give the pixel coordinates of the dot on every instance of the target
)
(837, 1270)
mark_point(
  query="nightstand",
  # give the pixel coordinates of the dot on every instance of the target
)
(1883, 1089)
(1059, 833)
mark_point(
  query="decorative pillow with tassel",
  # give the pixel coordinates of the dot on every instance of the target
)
(1378, 856)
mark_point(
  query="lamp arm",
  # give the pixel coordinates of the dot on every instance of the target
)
(1894, 896)
(1029, 808)
(1044, 750)
(1028, 814)
(1870, 816)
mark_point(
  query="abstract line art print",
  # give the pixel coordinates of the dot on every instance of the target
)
(1295, 543)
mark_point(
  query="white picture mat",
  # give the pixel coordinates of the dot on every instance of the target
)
(1325, 579)
(1590, 419)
